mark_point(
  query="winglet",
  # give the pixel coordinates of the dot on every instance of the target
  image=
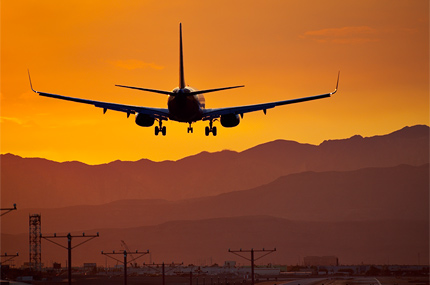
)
(29, 78)
(337, 84)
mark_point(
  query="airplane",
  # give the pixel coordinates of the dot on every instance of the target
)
(185, 105)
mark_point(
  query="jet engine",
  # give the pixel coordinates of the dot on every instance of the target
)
(144, 120)
(230, 120)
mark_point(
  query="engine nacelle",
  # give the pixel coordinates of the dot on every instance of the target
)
(230, 120)
(144, 120)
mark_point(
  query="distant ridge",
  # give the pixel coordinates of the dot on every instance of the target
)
(370, 194)
(34, 182)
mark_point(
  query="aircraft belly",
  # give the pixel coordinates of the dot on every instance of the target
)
(184, 109)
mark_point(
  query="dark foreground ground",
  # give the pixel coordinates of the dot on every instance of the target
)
(93, 280)
(154, 280)
(354, 281)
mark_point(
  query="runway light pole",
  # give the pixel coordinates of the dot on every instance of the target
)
(69, 246)
(8, 210)
(125, 253)
(8, 256)
(252, 259)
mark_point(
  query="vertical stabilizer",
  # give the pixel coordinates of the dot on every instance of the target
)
(181, 61)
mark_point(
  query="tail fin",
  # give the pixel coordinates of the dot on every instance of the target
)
(181, 61)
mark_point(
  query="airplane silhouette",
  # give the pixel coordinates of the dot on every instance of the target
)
(185, 104)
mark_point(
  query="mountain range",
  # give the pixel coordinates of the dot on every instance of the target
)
(361, 199)
(369, 194)
(36, 182)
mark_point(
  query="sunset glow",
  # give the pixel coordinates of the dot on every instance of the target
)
(278, 49)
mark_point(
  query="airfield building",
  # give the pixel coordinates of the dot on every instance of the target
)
(321, 261)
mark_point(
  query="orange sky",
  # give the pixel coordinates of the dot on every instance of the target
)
(278, 49)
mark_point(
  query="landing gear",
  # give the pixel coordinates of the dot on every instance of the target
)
(210, 129)
(190, 129)
(160, 128)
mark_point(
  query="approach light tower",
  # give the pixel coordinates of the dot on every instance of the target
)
(35, 232)
(252, 259)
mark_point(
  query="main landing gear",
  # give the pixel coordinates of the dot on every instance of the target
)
(190, 129)
(160, 128)
(210, 129)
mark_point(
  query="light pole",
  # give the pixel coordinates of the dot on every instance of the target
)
(69, 246)
(8, 210)
(125, 253)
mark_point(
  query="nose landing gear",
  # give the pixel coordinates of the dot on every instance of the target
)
(160, 128)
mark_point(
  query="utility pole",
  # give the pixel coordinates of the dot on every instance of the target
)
(7, 210)
(125, 253)
(69, 247)
(163, 271)
(252, 259)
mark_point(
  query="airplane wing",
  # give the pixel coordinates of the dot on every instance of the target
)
(129, 109)
(210, 114)
(159, 113)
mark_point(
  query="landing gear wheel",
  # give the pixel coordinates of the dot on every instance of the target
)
(190, 129)
(160, 128)
(210, 129)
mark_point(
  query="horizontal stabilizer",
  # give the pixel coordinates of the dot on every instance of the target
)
(214, 90)
(148, 90)
(173, 93)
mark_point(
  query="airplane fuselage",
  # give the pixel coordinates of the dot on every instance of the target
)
(184, 107)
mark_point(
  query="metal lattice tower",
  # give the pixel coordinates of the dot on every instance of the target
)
(35, 242)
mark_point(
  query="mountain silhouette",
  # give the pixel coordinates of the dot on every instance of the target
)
(36, 182)
(370, 194)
